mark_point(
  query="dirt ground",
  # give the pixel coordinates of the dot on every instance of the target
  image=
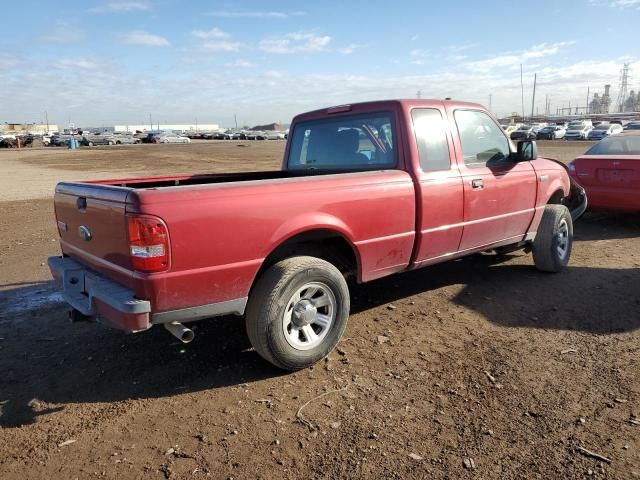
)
(481, 368)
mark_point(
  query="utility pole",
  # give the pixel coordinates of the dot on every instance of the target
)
(522, 91)
(419, 94)
(235, 119)
(533, 99)
(46, 116)
(490, 106)
(586, 110)
(150, 123)
(196, 124)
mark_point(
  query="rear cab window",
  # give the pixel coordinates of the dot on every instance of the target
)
(345, 142)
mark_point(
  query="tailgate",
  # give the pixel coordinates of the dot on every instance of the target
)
(92, 225)
(608, 171)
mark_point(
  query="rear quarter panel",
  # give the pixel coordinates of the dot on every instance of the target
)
(221, 234)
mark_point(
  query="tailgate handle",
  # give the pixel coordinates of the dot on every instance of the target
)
(81, 203)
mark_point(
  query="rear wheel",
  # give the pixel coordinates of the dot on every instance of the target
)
(552, 246)
(297, 312)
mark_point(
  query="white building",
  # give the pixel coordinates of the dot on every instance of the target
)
(28, 128)
(184, 128)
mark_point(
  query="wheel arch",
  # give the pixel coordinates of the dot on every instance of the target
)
(327, 243)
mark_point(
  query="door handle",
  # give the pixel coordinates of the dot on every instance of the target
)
(477, 184)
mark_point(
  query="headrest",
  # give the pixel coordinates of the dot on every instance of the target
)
(348, 140)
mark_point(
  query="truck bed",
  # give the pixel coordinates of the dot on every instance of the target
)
(222, 227)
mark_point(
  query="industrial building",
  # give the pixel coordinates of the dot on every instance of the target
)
(28, 128)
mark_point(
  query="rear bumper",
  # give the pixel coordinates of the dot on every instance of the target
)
(95, 296)
(619, 199)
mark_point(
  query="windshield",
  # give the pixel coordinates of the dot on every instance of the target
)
(602, 127)
(617, 145)
(346, 142)
(525, 127)
(576, 126)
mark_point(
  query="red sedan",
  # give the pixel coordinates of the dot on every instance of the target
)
(610, 173)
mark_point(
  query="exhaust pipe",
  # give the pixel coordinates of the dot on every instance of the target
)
(178, 330)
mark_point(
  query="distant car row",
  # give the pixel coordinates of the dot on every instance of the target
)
(238, 135)
(125, 138)
(576, 130)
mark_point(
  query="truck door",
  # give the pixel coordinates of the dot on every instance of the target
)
(499, 194)
(439, 189)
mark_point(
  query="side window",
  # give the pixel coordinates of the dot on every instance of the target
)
(483, 143)
(431, 139)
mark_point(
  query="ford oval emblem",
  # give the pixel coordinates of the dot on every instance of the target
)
(85, 233)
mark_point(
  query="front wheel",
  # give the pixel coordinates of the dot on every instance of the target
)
(297, 312)
(552, 246)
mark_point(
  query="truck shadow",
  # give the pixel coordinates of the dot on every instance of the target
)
(46, 363)
(607, 226)
(586, 299)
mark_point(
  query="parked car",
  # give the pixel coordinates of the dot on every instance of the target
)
(509, 129)
(274, 135)
(604, 130)
(98, 139)
(124, 139)
(277, 246)
(610, 172)
(525, 132)
(577, 131)
(552, 132)
(173, 138)
(632, 126)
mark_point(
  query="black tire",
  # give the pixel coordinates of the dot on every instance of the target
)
(272, 295)
(555, 230)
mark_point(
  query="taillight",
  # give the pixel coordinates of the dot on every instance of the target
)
(148, 243)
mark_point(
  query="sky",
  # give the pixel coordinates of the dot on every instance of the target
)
(107, 62)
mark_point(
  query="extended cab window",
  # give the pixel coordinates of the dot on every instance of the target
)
(431, 139)
(483, 142)
(345, 142)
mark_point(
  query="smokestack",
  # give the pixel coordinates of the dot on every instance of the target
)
(606, 89)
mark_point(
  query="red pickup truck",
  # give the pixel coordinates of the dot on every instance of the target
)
(366, 190)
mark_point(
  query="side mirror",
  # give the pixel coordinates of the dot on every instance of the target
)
(527, 151)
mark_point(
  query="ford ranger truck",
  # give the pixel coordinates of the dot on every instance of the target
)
(365, 191)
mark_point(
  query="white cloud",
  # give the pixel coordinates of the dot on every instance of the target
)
(64, 34)
(239, 64)
(419, 56)
(512, 60)
(77, 63)
(215, 32)
(121, 7)
(254, 14)
(7, 61)
(221, 46)
(294, 43)
(140, 37)
(617, 3)
(349, 49)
